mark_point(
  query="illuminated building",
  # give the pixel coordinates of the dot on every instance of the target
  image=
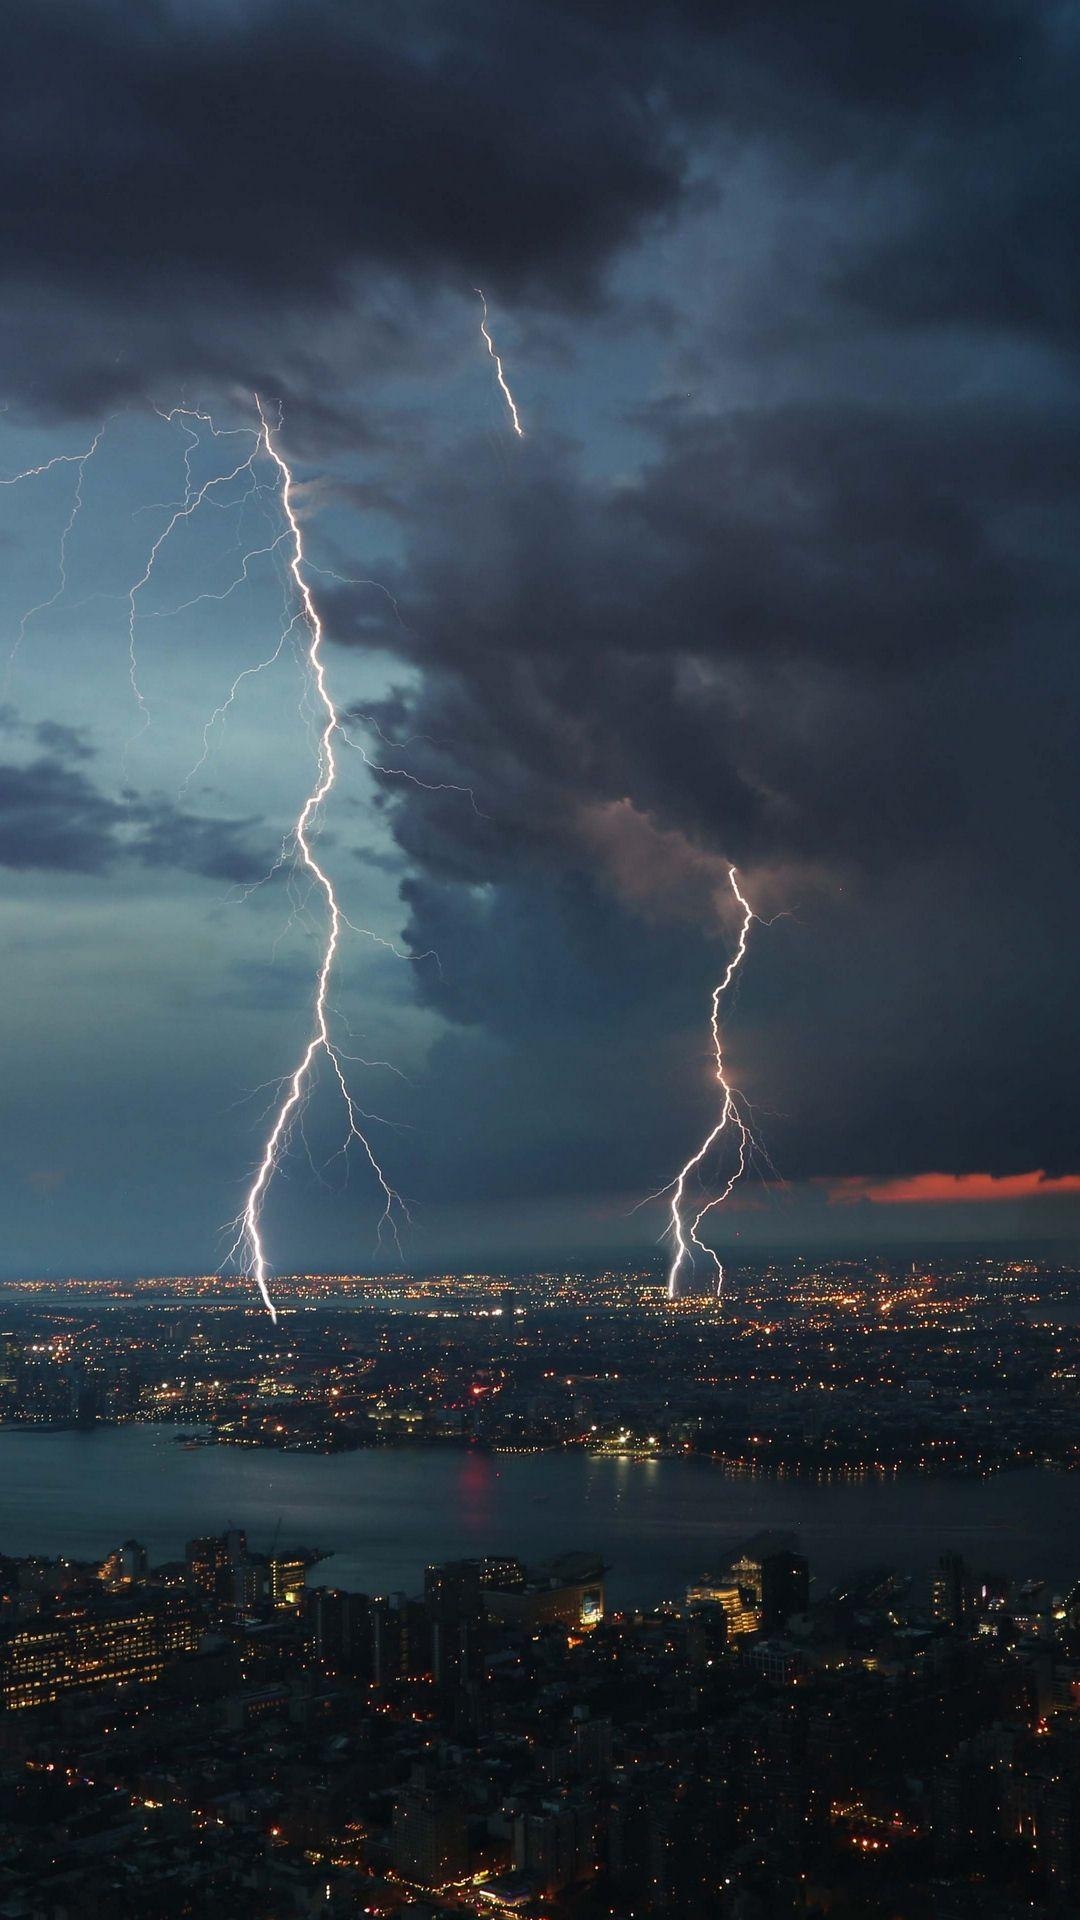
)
(94, 1645)
(949, 1597)
(570, 1592)
(9, 1357)
(773, 1583)
(125, 1567)
(287, 1575)
(221, 1566)
(741, 1614)
(746, 1573)
(211, 1560)
(501, 1570)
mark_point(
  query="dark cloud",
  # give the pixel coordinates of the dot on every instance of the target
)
(215, 849)
(281, 147)
(54, 738)
(825, 641)
(380, 862)
(715, 640)
(982, 233)
(53, 818)
(274, 197)
(67, 743)
(222, 188)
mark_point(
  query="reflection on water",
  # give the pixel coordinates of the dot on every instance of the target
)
(384, 1514)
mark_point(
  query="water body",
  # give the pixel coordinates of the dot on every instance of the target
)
(383, 1514)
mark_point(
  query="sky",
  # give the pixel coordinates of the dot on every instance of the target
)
(782, 574)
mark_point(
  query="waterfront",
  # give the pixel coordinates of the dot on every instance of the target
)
(384, 1513)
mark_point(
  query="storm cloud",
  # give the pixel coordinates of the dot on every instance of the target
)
(783, 573)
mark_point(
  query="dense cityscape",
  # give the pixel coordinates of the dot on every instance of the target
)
(210, 1735)
(232, 1731)
(853, 1365)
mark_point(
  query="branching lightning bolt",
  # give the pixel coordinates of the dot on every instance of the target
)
(193, 500)
(292, 1091)
(684, 1234)
(508, 396)
(295, 1089)
(402, 773)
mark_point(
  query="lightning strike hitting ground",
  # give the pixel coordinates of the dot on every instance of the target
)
(510, 401)
(685, 1235)
(296, 1087)
(293, 1091)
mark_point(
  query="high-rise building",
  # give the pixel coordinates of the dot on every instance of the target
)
(247, 1583)
(286, 1576)
(211, 1560)
(430, 1839)
(9, 1358)
(949, 1595)
(341, 1629)
(762, 1588)
(741, 1614)
(552, 1842)
(454, 1603)
(400, 1639)
(785, 1588)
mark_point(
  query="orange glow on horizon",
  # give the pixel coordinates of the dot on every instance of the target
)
(935, 1189)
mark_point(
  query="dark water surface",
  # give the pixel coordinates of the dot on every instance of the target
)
(384, 1514)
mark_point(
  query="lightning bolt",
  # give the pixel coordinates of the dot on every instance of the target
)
(295, 1089)
(500, 375)
(291, 1092)
(331, 736)
(684, 1233)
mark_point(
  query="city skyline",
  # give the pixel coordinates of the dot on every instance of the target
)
(764, 1609)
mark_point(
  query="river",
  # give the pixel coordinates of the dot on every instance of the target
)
(384, 1514)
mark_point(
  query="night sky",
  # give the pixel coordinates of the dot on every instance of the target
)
(783, 573)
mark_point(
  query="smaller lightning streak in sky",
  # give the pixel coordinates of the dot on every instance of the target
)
(79, 462)
(295, 1089)
(192, 501)
(684, 1233)
(510, 401)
